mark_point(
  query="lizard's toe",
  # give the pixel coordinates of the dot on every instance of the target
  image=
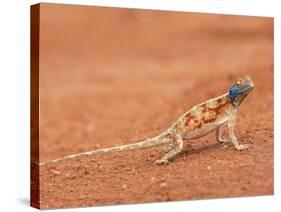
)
(161, 162)
(242, 147)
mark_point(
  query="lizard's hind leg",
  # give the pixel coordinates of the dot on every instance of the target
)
(177, 148)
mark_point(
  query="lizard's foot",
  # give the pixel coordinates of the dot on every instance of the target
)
(241, 147)
(162, 162)
(224, 140)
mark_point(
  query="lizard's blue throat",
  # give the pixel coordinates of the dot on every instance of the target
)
(237, 94)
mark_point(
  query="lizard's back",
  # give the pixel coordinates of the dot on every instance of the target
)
(204, 118)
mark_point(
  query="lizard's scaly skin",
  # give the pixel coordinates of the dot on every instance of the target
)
(197, 122)
(204, 118)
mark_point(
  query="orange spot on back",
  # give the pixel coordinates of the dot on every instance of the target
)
(189, 118)
(217, 109)
(219, 101)
(206, 121)
(198, 126)
(204, 108)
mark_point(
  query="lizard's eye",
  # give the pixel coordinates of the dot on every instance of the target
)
(238, 83)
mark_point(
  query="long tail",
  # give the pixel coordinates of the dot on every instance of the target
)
(158, 140)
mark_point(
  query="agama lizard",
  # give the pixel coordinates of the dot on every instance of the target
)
(200, 120)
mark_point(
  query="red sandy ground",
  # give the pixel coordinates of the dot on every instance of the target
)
(110, 77)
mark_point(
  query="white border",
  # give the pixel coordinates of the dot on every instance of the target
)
(238, 7)
(14, 106)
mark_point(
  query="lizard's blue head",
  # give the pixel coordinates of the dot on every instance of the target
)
(240, 90)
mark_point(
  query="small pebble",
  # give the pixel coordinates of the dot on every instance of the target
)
(55, 172)
(162, 185)
(209, 167)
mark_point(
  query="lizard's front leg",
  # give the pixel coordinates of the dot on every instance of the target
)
(219, 136)
(233, 139)
(178, 146)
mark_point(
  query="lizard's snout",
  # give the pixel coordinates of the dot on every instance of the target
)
(249, 82)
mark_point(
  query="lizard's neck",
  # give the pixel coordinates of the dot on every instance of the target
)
(228, 104)
(227, 96)
(216, 106)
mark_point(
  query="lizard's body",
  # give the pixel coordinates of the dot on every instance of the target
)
(203, 118)
(197, 122)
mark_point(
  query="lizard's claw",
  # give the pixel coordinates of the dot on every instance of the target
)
(162, 162)
(242, 147)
